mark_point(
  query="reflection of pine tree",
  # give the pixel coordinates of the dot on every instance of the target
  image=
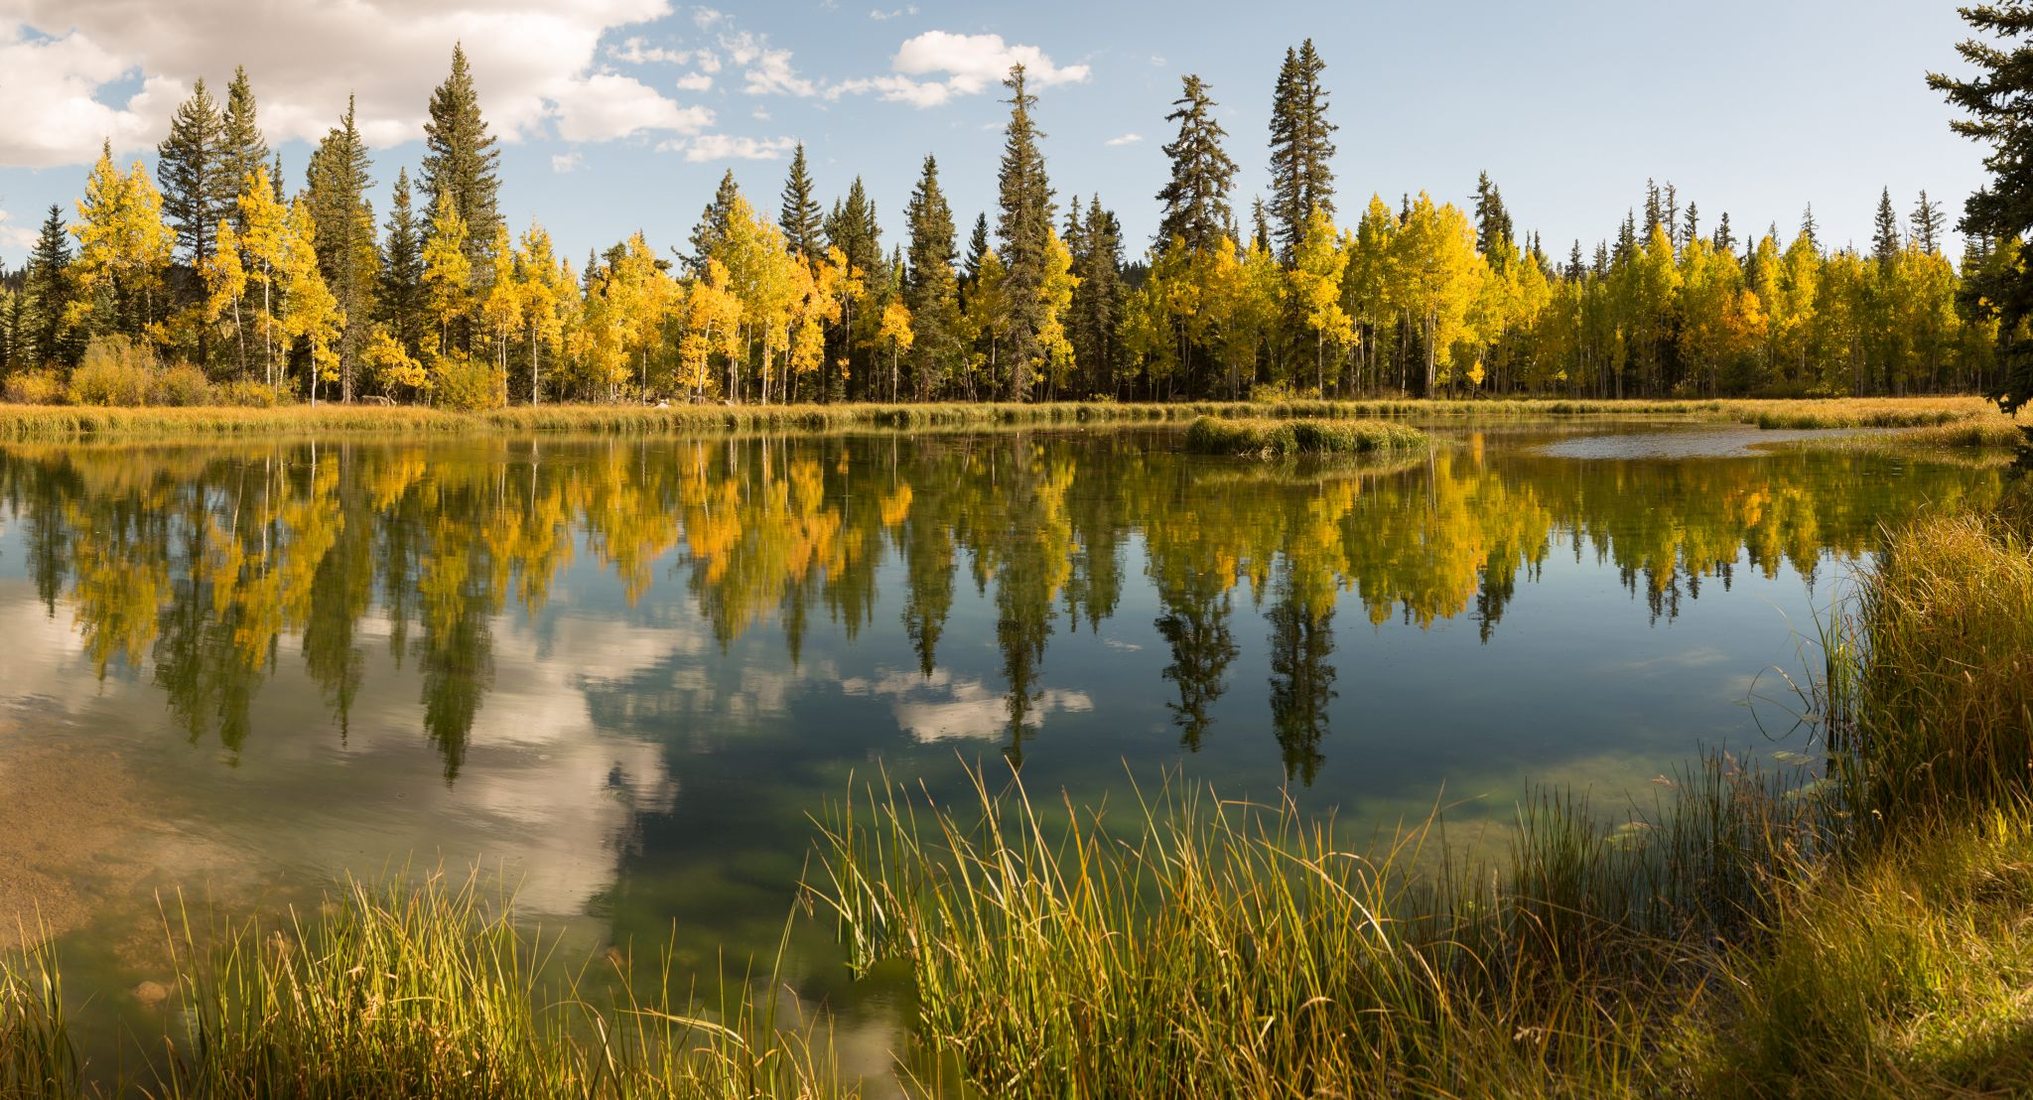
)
(928, 562)
(342, 592)
(1302, 682)
(209, 681)
(1195, 624)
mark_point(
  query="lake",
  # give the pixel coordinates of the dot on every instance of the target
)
(623, 675)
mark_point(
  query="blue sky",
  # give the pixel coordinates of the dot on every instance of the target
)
(621, 114)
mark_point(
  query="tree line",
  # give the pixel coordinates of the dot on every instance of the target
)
(258, 294)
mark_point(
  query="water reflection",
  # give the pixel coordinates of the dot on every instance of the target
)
(200, 565)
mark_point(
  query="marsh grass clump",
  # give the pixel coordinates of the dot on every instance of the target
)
(1202, 947)
(425, 990)
(1935, 706)
(1266, 438)
(37, 1059)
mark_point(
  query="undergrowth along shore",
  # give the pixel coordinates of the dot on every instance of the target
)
(44, 422)
(1855, 924)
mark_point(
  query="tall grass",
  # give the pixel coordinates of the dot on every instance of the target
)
(428, 991)
(1935, 684)
(36, 1056)
(24, 422)
(1265, 438)
(1210, 948)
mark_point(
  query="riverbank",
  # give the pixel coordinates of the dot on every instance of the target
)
(43, 422)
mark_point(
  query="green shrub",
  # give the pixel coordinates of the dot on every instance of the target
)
(35, 387)
(114, 372)
(464, 385)
(181, 385)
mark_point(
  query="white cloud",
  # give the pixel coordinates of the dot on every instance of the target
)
(880, 15)
(766, 71)
(962, 64)
(707, 18)
(695, 82)
(606, 106)
(709, 147)
(634, 51)
(1124, 139)
(16, 236)
(79, 71)
(940, 707)
(567, 162)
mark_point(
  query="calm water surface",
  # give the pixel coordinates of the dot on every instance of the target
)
(622, 673)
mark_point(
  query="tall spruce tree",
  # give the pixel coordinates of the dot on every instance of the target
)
(460, 160)
(1495, 236)
(1196, 208)
(399, 302)
(711, 229)
(244, 151)
(340, 177)
(197, 192)
(1998, 103)
(1928, 222)
(931, 289)
(1024, 226)
(852, 228)
(48, 286)
(1302, 148)
(1097, 298)
(1885, 238)
(800, 218)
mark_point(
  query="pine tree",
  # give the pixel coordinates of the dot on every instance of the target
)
(1495, 236)
(1690, 229)
(1998, 101)
(931, 288)
(1809, 232)
(1885, 242)
(1655, 208)
(977, 250)
(1725, 240)
(399, 304)
(800, 219)
(1927, 225)
(339, 181)
(1097, 299)
(48, 287)
(1196, 207)
(244, 151)
(851, 227)
(1302, 148)
(460, 160)
(1024, 226)
(197, 193)
(713, 223)
(1259, 224)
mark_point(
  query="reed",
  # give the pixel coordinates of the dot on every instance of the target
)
(415, 991)
(37, 422)
(1266, 438)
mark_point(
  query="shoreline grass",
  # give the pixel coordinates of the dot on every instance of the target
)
(1265, 438)
(410, 991)
(49, 422)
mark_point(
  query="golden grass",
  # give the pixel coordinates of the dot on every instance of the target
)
(25, 422)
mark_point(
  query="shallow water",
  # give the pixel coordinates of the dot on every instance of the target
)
(622, 673)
